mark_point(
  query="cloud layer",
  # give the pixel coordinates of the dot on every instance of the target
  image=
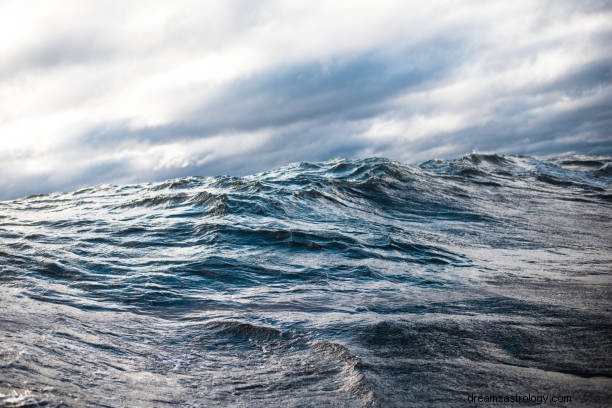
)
(96, 92)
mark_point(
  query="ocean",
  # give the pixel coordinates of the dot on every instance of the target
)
(346, 283)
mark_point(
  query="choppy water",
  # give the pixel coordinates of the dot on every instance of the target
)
(344, 283)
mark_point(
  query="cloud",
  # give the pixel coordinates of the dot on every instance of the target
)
(112, 92)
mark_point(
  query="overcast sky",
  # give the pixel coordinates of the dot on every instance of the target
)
(125, 91)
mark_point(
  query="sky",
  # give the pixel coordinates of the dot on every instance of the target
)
(130, 91)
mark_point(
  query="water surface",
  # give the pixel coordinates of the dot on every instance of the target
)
(342, 283)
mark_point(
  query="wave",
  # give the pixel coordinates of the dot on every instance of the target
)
(340, 283)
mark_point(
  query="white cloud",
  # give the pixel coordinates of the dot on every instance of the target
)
(236, 79)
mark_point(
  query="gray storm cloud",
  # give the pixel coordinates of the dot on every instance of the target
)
(109, 92)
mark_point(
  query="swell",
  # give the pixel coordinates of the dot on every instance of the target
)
(345, 283)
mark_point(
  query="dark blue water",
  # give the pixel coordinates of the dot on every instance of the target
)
(343, 283)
